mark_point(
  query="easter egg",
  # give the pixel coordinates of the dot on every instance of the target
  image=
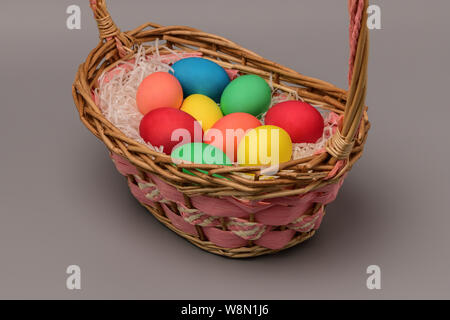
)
(198, 75)
(248, 93)
(159, 90)
(203, 109)
(201, 153)
(169, 127)
(300, 119)
(265, 146)
(226, 133)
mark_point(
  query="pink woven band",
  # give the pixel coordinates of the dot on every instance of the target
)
(356, 10)
(297, 214)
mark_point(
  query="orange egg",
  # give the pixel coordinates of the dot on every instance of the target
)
(226, 133)
(159, 90)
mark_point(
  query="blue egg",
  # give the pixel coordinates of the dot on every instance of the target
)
(202, 76)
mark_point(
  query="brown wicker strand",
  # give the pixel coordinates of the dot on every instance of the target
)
(341, 144)
(108, 29)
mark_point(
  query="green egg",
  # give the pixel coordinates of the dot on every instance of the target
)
(248, 93)
(200, 153)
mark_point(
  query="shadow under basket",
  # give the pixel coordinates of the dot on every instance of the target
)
(232, 215)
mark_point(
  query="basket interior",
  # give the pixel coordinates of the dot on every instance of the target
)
(293, 178)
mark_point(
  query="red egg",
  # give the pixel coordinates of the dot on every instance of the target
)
(226, 133)
(159, 90)
(169, 127)
(300, 119)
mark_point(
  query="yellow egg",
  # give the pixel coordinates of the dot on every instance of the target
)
(203, 109)
(265, 146)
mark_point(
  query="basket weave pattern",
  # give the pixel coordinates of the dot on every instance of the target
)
(237, 216)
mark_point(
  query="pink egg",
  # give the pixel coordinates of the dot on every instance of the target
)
(159, 90)
(300, 119)
(169, 127)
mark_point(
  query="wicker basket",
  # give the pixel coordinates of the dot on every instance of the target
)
(235, 217)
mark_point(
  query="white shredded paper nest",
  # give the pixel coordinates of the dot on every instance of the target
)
(116, 97)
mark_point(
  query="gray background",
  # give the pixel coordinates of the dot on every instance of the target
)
(62, 202)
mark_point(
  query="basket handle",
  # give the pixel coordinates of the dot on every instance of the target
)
(108, 29)
(341, 144)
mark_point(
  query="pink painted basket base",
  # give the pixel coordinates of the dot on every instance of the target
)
(225, 221)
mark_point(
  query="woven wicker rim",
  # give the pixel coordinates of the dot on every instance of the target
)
(295, 177)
